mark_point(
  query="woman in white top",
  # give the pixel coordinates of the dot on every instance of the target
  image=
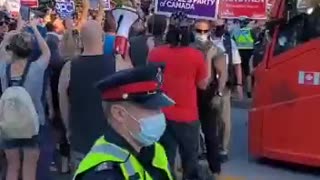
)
(16, 48)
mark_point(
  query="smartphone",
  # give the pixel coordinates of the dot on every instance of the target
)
(25, 13)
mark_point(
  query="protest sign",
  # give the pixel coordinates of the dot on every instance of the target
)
(12, 6)
(2, 2)
(94, 4)
(30, 3)
(198, 9)
(65, 8)
(253, 9)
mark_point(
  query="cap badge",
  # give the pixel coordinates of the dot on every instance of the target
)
(125, 96)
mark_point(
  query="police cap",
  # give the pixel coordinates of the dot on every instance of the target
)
(141, 85)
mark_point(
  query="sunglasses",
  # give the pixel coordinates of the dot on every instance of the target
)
(202, 31)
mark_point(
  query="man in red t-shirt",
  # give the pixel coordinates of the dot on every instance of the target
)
(185, 71)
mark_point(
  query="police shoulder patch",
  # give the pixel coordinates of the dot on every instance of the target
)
(105, 166)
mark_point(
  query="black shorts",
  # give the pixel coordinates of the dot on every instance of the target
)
(20, 143)
(245, 58)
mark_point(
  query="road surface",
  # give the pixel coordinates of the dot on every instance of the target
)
(241, 168)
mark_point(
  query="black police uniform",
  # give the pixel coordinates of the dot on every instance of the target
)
(115, 88)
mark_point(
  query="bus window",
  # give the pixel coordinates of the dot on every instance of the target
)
(303, 25)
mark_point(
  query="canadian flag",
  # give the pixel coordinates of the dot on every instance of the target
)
(309, 78)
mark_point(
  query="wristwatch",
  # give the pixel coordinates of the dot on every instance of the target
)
(219, 94)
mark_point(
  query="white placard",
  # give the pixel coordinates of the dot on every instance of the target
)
(94, 4)
(12, 6)
(2, 2)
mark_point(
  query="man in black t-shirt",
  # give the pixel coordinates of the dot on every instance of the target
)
(80, 101)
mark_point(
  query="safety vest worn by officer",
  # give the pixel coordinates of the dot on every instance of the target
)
(103, 151)
(244, 39)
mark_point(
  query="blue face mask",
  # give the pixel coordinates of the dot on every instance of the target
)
(152, 128)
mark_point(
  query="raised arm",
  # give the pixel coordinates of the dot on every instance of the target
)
(45, 51)
(63, 86)
(100, 11)
(84, 14)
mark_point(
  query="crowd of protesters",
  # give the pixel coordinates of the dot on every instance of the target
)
(205, 65)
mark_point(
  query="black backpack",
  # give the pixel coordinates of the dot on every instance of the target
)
(227, 43)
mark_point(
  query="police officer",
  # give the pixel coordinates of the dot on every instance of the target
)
(129, 149)
(244, 38)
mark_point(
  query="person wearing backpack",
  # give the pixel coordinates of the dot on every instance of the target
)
(19, 130)
(234, 82)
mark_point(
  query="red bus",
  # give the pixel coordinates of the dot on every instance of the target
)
(284, 121)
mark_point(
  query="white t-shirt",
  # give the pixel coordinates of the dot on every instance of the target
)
(236, 58)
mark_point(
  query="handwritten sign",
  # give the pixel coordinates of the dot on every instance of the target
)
(198, 9)
(253, 9)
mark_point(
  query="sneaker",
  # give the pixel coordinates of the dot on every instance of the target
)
(53, 167)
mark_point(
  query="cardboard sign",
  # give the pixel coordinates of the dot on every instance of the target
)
(30, 3)
(253, 9)
(198, 9)
(94, 4)
(12, 6)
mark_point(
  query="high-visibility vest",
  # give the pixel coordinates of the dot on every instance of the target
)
(243, 38)
(103, 151)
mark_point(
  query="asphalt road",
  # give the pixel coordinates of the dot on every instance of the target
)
(241, 167)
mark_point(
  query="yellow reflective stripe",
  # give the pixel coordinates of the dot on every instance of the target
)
(245, 48)
(111, 150)
(128, 169)
(94, 159)
(244, 36)
(140, 169)
(100, 141)
(160, 160)
(244, 39)
(102, 152)
(118, 153)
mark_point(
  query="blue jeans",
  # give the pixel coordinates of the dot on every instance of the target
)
(46, 153)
